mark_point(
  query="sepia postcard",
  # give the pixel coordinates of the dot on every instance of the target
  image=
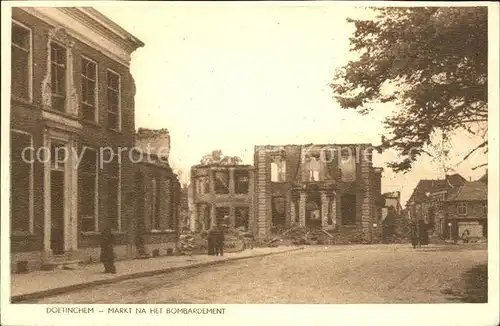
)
(253, 162)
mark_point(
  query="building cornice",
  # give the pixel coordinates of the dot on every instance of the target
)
(105, 26)
(88, 27)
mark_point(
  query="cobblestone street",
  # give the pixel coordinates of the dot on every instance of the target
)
(337, 274)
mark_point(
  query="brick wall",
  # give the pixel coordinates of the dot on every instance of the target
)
(262, 206)
(26, 117)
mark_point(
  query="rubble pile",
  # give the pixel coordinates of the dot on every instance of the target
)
(197, 242)
(305, 236)
(192, 243)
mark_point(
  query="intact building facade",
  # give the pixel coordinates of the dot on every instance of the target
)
(466, 208)
(222, 194)
(332, 187)
(427, 202)
(72, 95)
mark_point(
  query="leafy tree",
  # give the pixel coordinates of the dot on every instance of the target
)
(216, 157)
(431, 62)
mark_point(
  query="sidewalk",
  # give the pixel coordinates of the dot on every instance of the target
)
(40, 284)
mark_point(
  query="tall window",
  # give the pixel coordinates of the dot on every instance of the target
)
(113, 170)
(484, 209)
(241, 182)
(88, 189)
(58, 73)
(221, 182)
(241, 216)
(278, 169)
(205, 185)
(113, 100)
(314, 167)
(21, 62)
(21, 181)
(203, 212)
(347, 165)
(89, 90)
(202, 185)
(197, 186)
(155, 204)
(462, 208)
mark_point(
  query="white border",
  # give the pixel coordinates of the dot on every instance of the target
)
(387, 314)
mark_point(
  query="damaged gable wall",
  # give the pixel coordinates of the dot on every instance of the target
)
(153, 141)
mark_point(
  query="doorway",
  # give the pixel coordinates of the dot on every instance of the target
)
(57, 200)
(313, 209)
(348, 209)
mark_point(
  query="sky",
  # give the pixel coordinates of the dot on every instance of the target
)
(229, 77)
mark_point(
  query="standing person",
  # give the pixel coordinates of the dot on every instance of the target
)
(414, 235)
(107, 253)
(465, 236)
(211, 242)
(219, 241)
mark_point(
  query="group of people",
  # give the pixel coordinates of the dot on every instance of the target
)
(215, 241)
(419, 234)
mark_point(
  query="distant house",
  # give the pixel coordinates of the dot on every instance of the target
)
(426, 201)
(466, 208)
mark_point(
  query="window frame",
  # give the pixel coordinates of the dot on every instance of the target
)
(119, 92)
(464, 206)
(30, 62)
(238, 175)
(119, 192)
(96, 89)
(238, 209)
(30, 230)
(314, 175)
(96, 191)
(155, 204)
(347, 165)
(228, 187)
(281, 176)
(67, 75)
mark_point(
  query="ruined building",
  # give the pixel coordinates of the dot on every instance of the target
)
(333, 187)
(222, 194)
